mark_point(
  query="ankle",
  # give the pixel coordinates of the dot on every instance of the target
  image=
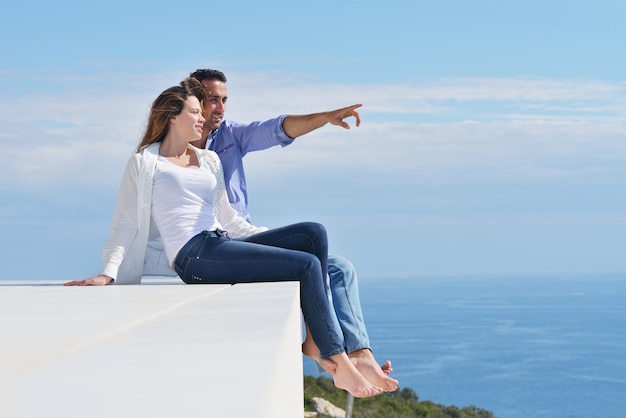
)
(361, 353)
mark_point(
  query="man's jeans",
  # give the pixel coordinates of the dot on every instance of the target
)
(296, 252)
(344, 291)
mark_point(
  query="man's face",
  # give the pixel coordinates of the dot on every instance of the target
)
(214, 104)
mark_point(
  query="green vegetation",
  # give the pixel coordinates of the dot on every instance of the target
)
(403, 403)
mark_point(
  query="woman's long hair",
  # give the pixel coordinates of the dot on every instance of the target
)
(169, 104)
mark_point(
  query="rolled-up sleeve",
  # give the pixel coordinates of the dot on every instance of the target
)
(260, 135)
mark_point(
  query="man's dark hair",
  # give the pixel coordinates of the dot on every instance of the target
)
(208, 74)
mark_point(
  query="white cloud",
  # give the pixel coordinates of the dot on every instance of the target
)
(82, 135)
(258, 94)
(511, 150)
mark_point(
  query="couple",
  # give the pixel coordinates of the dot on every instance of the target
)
(177, 188)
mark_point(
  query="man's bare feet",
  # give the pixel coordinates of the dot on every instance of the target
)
(348, 378)
(366, 364)
(386, 368)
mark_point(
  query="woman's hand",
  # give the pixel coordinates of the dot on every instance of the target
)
(93, 281)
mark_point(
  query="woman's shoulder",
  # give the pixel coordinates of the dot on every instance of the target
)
(146, 151)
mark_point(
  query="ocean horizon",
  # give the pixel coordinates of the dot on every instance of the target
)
(523, 346)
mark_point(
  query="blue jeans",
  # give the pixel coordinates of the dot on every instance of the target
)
(297, 252)
(344, 293)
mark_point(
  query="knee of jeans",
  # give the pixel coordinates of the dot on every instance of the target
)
(314, 228)
(340, 263)
(311, 265)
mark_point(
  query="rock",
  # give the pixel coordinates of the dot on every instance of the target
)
(324, 407)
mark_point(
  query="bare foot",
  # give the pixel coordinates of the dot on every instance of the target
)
(348, 378)
(310, 349)
(365, 363)
(386, 368)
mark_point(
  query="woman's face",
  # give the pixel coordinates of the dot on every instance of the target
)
(188, 123)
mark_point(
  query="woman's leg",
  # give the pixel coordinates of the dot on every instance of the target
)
(346, 304)
(304, 236)
(310, 349)
(363, 359)
(290, 253)
(208, 258)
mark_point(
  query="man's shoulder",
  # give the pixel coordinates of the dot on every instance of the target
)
(230, 125)
(230, 122)
(226, 127)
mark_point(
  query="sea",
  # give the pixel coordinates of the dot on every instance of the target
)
(535, 346)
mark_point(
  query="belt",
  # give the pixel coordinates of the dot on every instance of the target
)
(218, 233)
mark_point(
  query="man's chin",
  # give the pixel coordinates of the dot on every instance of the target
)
(207, 129)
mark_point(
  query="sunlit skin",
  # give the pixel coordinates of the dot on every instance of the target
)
(345, 373)
(293, 125)
(216, 98)
(185, 128)
(362, 359)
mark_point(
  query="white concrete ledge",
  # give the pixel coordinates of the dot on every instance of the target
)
(161, 349)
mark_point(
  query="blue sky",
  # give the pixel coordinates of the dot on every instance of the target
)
(493, 136)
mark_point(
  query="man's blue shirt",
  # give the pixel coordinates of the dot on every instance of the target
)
(232, 141)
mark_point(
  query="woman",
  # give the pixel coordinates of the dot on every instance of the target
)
(182, 189)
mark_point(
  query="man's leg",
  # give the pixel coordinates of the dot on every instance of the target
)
(344, 290)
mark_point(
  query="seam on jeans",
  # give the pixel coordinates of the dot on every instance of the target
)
(358, 325)
(361, 330)
(311, 242)
(327, 326)
(202, 245)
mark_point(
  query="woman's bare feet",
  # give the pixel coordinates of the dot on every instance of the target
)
(366, 364)
(348, 378)
(310, 349)
(345, 374)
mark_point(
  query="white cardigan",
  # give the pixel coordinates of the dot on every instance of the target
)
(125, 250)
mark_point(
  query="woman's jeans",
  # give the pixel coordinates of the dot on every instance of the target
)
(297, 252)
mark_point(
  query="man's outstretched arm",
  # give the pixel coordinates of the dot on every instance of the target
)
(298, 125)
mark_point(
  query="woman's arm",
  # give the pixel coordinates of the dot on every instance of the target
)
(93, 281)
(125, 220)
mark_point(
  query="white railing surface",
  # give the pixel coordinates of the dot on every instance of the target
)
(161, 349)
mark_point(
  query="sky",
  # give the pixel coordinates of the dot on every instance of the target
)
(492, 139)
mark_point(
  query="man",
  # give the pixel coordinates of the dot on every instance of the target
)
(232, 141)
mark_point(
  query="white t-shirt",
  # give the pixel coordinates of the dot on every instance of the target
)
(182, 204)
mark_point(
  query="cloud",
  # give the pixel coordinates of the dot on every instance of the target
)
(255, 93)
(81, 134)
(472, 166)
